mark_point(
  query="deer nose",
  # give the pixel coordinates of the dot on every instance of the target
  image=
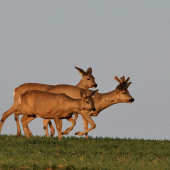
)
(94, 109)
(94, 86)
(131, 100)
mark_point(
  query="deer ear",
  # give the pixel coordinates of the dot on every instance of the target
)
(89, 70)
(93, 94)
(81, 71)
(83, 93)
(128, 84)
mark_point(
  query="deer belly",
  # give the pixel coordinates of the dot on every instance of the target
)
(65, 115)
(47, 115)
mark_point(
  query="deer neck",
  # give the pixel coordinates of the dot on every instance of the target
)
(82, 85)
(75, 106)
(105, 100)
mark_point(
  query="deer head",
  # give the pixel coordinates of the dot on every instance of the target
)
(87, 102)
(87, 81)
(123, 95)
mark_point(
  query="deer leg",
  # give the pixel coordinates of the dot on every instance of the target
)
(76, 116)
(24, 118)
(45, 126)
(25, 121)
(6, 115)
(47, 122)
(85, 127)
(18, 125)
(52, 128)
(16, 117)
(73, 121)
(90, 121)
(58, 123)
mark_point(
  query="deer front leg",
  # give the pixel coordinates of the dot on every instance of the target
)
(85, 127)
(25, 121)
(90, 121)
(58, 123)
(73, 121)
(76, 116)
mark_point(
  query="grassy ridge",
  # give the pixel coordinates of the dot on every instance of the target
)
(79, 153)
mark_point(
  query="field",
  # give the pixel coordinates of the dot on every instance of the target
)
(79, 153)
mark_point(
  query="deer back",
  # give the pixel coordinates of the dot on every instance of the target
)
(69, 90)
(30, 86)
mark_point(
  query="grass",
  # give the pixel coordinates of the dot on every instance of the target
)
(79, 153)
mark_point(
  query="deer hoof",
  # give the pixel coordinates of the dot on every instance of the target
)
(79, 133)
(52, 133)
(18, 134)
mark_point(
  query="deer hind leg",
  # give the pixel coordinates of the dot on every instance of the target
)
(6, 115)
(18, 125)
(58, 123)
(47, 122)
(24, 118)
(25, 121)
(73, 121)
(90, 121)
(85, 127)
(16, 117)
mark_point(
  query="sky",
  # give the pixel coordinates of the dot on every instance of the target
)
(42, 42)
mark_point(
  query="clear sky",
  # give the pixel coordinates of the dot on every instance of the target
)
(42, 41)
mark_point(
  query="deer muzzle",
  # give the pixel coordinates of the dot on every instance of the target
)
(131, 100)
(93, 109)
(94, 86)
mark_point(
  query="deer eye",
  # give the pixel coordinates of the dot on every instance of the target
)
(124, 93)
(87, 102)
(88, 79)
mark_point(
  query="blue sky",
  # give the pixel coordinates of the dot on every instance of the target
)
(42, 42)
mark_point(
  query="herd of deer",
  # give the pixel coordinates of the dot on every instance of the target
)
(62, 102)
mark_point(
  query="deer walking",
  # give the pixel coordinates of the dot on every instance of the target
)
(87, 81)
(101, 102)
(50, 106)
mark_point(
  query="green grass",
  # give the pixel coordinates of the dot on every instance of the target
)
(79, 153)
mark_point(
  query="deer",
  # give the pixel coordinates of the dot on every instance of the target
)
(87, 81)
(101, 102)
(47, 105)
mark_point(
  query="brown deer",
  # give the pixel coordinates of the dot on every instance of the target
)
(87, 81)
(47, 105)
(101, 101)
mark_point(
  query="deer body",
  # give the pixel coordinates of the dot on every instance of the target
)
(35, 103)
(101, 101)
